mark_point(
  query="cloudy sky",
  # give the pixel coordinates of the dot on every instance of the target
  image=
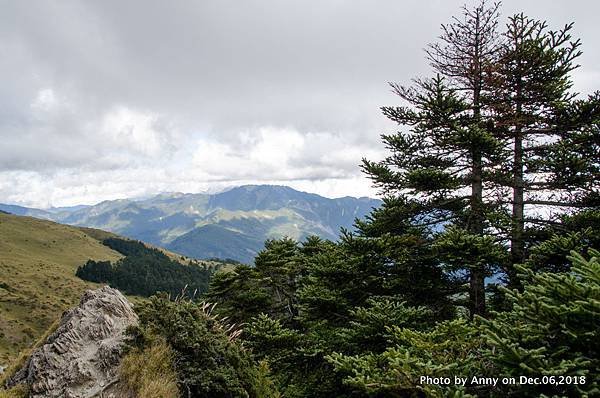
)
(111, 99)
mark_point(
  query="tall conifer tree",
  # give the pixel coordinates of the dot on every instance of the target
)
(438, 166)
(549, 136)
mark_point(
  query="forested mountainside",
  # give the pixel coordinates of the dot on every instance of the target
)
(232, 224)
(144, 271)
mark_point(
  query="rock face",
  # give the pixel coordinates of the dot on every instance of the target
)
(81, 358)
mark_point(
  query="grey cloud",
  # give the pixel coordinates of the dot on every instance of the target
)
(195, 73)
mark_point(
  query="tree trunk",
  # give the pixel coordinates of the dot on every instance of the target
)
(477, 277)
(517, 247)
(517, 238)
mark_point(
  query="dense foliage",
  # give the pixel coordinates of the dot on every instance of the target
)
(207, 359)
(343, 340)
(145, 271)
(302, 302)
(550, 330)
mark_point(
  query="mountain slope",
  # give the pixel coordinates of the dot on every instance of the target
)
(217, 241)
(38, 260)
(24, 211)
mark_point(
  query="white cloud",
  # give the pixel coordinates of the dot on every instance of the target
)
(271, 153)
(275, 146)
(320, 162)
(45, 101)
(66, 189)
(133, 131)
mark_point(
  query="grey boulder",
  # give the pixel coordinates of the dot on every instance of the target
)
(81, 358)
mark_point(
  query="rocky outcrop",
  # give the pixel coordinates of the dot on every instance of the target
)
(81, 358)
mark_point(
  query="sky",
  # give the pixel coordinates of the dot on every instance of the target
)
(112, 99)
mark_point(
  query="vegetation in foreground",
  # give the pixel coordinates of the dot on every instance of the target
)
(148, 372)
(19, 391)
(206, 357)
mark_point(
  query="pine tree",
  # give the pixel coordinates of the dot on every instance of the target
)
(551, 330)
(550, 138)
(240, 294)
(279, 264)
(578, 232)
(438, 166)
(450, 348)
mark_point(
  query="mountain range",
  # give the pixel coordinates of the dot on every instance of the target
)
(231, 225)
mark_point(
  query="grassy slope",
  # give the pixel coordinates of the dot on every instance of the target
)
(38, 260)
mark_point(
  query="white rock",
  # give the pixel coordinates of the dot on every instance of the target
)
(82, 356)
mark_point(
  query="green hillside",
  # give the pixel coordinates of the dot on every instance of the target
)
(38, 260)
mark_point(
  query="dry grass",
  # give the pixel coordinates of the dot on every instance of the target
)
(38, 259)
(97, 234)
(20, 391)
(149, 373)
(24, 355)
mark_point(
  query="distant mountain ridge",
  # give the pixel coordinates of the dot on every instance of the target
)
(231, 224)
